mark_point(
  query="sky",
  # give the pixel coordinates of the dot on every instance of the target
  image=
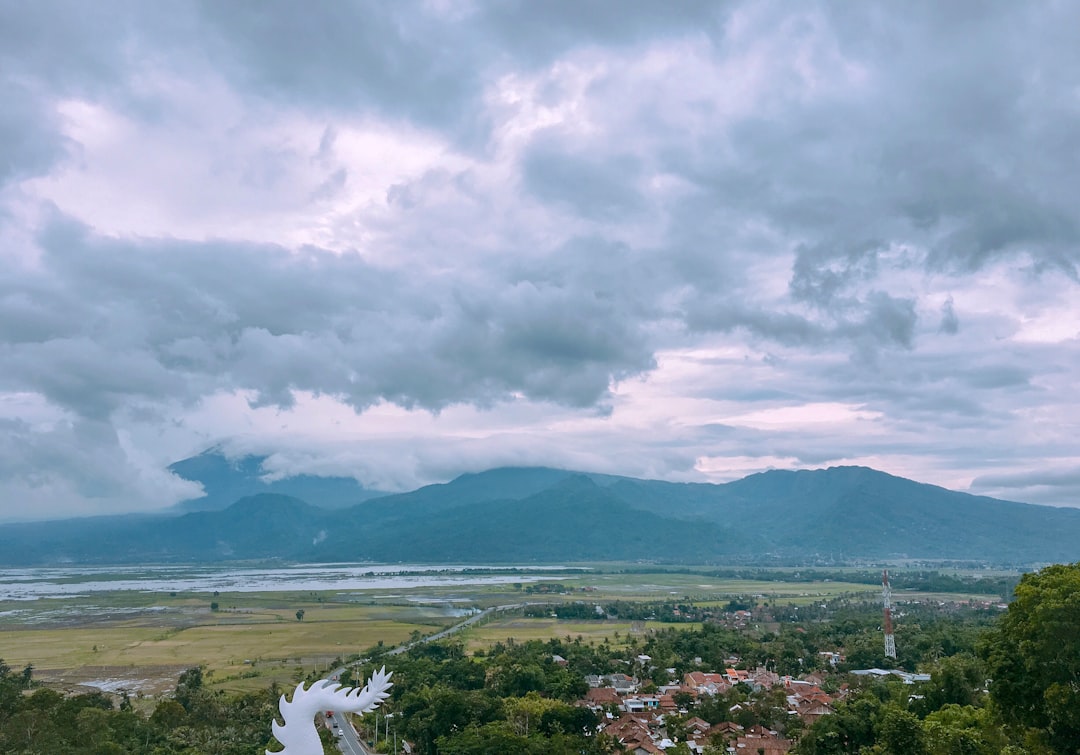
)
(403, 241)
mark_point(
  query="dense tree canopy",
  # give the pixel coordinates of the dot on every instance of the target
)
(1033, 656)
(197, 720)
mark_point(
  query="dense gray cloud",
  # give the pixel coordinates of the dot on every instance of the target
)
(708, 241)
(950, 323)
(1035, 485)
(174, 321)
(29, 138)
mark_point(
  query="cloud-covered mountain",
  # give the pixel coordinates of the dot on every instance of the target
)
(539, 514)
(225, 480)
(401, 240)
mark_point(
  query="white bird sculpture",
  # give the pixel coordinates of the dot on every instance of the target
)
(299, 735)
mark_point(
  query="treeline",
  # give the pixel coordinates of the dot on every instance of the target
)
(671, 612)
(927, 580)
(196, 720)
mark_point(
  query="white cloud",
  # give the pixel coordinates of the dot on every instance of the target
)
(408, 241)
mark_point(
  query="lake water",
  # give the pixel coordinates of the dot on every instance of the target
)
(59, 582)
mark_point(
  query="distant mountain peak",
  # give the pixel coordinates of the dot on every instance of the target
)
(225, 479)
(267, 502)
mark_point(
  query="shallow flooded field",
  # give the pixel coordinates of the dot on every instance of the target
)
(31, 584)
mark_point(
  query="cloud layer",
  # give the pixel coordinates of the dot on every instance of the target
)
(403, 241)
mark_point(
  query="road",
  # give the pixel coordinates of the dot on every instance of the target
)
(456, 628)
(350, 743)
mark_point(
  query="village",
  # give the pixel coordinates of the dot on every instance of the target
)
(749, 680)
(637, 719)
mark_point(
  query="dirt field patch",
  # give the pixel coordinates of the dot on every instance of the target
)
(141, 680)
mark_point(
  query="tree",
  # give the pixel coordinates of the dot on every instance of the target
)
(848, 730)
(568, 719)
(1033, 656)
(168, 714)
(516, 679)
(188, 686)
(480, 740)
(300, 614)
(964, 730)
(957, 680)
(683, 699)
(901, 732)
(524, 713)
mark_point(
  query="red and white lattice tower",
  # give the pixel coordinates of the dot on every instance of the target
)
(886, 597)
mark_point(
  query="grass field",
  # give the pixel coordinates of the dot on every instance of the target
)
(255, 652)
(522, 629)
(252, 640)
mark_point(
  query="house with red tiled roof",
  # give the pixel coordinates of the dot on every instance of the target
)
(725, 727)
(667, 704)
(808, 700)
(599, 698)
(725, 731)
(761, 741)
(696, 725)
(810, 710)
(734, 676)
(762, 678)
(633, 734)
(625, 726)
(703, 683)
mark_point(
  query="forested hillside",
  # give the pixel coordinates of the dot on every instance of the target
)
(535, 515)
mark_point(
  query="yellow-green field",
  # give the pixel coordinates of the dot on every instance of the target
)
(257, 642)
(214, 645)
(524, 629)
(702, 589)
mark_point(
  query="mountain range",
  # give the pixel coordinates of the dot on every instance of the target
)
(522, 515)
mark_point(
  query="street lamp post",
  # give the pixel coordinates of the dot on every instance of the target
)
(385, 722)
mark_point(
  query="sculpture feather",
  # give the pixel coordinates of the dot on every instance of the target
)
(298, 733)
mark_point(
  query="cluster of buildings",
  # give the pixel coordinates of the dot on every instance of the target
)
(638, 721)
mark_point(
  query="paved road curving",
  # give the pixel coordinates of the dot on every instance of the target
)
(349, 742)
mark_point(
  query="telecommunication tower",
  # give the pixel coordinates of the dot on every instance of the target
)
(886, 598)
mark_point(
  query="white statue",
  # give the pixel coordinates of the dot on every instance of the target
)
(299, 735)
